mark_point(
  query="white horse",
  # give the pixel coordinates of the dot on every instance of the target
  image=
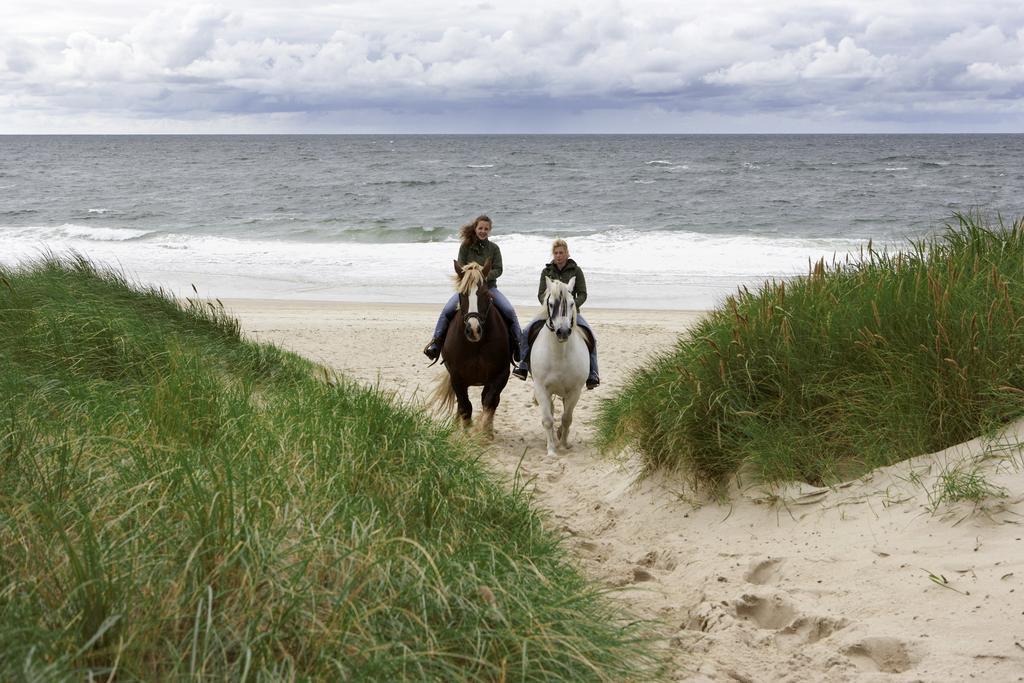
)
(559, 361)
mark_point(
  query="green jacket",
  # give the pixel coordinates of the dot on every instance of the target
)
(479, 253)
(571, 270)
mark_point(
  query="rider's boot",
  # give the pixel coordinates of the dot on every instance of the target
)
(593, 379)
(433, 349)
(521, 371)
(517, 352)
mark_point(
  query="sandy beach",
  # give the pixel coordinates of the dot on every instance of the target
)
(867, 581)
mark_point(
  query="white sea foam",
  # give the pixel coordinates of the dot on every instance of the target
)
(624, 268)
(101, 234)
(70, 231)
(480, 165)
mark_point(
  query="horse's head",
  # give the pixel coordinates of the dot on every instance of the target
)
(561, 308)
(474, 297)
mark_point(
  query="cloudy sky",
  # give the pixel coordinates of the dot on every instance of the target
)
(554, 66)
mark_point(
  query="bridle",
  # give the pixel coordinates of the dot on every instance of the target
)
(484, 303)
(562, 302)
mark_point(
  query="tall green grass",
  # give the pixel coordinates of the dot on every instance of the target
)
(179, 503)
(856, 365)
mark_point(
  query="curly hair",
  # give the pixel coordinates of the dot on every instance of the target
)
(467, 233)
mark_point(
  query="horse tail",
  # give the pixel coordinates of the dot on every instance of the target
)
(443, 395)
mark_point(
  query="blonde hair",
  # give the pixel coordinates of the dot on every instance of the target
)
(560, 243)
(472, 277)
(467, 233)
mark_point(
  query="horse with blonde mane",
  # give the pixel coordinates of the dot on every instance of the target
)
(476, 351)
(559, 361)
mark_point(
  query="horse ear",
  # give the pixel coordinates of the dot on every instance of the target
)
(487, 268)
(458, 268)
(549, 282)
(571, 284)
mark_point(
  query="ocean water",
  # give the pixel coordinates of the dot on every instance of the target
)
(655, 221)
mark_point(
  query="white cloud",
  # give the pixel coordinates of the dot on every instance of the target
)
(971, 44)
(987, 71)
(88, 58)
(846, 60)
(174, 39)
(819, 60)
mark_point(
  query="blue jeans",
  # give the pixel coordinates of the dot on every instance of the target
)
(582, 323)
(504, 307)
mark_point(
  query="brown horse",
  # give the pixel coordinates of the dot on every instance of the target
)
(476, 349)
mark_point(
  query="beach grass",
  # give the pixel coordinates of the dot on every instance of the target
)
(861, 363)
(177, 502)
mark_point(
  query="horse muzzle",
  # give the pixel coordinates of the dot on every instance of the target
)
(474, 331)
(563, 333)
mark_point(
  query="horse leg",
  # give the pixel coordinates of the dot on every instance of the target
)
(490, 397)
(547, 420)
(568, 405)
(465, 406)
(485, 423)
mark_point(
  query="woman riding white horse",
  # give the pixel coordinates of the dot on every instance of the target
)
(564, 269)
(560, 361)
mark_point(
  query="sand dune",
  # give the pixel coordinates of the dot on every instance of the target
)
(875, 580)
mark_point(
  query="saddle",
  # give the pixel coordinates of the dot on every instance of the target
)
(535, 327)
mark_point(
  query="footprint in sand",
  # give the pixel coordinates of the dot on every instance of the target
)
(654, 559)
(710, 617)
(772, 612)
(640, 574)
(556, 473)
(764, 571)
(807, 630)
(888, 655)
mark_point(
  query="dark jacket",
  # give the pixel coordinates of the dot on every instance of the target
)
(479, 253)
(571, 270)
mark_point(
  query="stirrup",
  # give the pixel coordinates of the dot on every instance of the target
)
(520, 373)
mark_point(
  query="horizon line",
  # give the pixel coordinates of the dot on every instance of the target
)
(506, 134)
